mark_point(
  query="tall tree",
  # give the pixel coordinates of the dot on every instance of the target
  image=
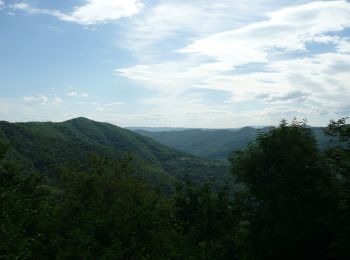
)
(285, 197)
(339, 163)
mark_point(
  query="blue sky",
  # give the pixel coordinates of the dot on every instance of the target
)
(213, 64)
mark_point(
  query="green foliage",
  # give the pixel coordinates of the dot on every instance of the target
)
(287, 195)
(339, 163)
(3, 149)
(112, 215)
(49, 147)
(20, 199)
(339, 129)
(82, 195)
(103, 213)
(206, 221)
(106, 211)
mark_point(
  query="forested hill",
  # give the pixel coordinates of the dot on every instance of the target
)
(292, 201)
(216, 143)
(47, 146)
(213, 144)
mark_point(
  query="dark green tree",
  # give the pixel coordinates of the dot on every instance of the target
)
(339, 128)
(285, 199)
(102, 212)
(339, 163)
(105, 212)
(21, 200)
(206, 222)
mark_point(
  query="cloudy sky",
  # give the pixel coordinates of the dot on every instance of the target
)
(212, 63)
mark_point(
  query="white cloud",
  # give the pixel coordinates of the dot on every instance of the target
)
(43, 100)
(183, 21)
(34, 11)
(258, 53)
(106, 107)
(90, 13)
(77, 94)
(72, 94)
(113, 104)
(288, 97)
(267, 62)
(287, 29)
(57, 100)
(98, 11)
(284, 31)
(1, 4)
(28, 99)
(169, 20)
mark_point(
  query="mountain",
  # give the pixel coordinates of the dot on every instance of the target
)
(218, 143)
(172, 129)
(213, 144)
(156, 129)
(47, 146)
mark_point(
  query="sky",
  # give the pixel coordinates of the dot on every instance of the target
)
(175, 63)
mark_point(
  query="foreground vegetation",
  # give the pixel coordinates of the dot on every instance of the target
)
(293, 203)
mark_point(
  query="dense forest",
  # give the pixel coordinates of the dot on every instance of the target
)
(48, 147)
(286, 198)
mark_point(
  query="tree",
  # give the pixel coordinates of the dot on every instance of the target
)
(21, 197)
(100, 212)
(285, 197)
(206, 222)
(339, 163)
(339, 129)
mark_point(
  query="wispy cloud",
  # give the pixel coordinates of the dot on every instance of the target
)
(109, 107)
(288, 29)
(113, 104)
(43, 100)
(187, 20)
(274, 58)
(77, 94)
(283, 98)
(90, 13)
(72, 94)
(209, 63)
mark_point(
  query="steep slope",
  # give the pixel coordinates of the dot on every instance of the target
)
(47, 146)
(218, 143)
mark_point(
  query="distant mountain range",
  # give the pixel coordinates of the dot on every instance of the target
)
(217, 143)
(171, 129)
(47, 146)
(157, 129)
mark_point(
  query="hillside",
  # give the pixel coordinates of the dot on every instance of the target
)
(213, 144)
(47, 147)
(217, 143)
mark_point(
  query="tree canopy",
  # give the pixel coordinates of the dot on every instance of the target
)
(289, 201)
